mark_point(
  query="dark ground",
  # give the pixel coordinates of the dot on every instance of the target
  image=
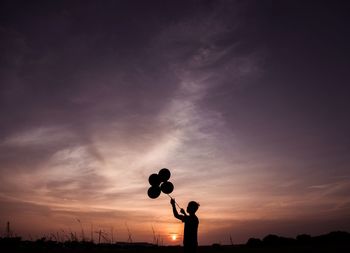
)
(202, 249)
(333, 242)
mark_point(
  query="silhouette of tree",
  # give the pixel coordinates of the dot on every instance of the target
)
(254, 242)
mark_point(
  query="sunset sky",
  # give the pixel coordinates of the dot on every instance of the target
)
(246, 102)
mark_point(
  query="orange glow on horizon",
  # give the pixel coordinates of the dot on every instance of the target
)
(174, 237)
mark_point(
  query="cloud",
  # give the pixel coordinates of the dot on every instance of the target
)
(38, 136)
(93, 141)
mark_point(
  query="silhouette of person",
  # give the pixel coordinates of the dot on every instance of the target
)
(191, 225)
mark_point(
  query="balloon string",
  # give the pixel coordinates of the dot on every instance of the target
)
(175, 201)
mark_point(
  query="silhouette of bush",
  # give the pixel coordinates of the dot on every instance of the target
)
(304, 239)
(10, 242)
(254, 242)
(333, 238)
(274, 240)
(216, 245)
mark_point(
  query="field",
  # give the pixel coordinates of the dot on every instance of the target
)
(333, 242)
(172, 249)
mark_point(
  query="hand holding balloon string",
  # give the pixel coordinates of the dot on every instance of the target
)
(173, 202)
(172, 199)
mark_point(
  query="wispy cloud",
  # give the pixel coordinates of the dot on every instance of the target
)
(39, 136)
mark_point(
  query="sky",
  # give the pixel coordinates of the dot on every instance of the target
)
(246, 102)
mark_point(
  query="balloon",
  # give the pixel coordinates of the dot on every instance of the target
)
(153, 192)
(154, 180)
(167, 187)
(164, 175)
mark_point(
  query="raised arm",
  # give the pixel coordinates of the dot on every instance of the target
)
(176, 214)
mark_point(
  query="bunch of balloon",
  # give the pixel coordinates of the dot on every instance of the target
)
(159, 183)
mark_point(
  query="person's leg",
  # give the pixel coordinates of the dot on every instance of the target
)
(190, 249)
(186, 249)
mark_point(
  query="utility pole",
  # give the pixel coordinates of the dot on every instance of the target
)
(8, 230)
(129, 233)
(112, 235)
(92, 235)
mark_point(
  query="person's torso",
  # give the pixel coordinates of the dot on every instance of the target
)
(191, 229)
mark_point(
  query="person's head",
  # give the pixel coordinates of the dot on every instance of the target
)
(192, 207)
